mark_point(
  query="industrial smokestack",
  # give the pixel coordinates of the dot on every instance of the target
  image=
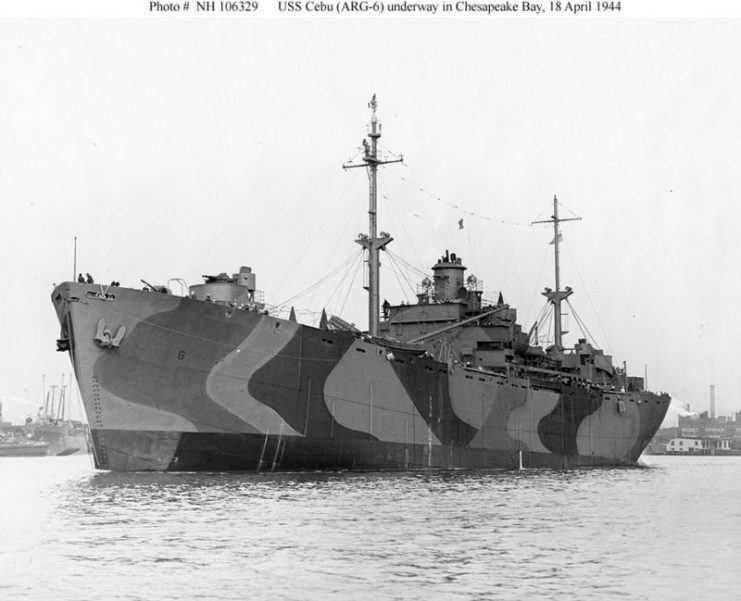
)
(712, 401)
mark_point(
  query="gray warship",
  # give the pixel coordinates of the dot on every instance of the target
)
(212, 380)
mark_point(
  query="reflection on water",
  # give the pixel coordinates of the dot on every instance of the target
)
(648, 533)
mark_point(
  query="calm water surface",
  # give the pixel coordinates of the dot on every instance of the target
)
(670, 530)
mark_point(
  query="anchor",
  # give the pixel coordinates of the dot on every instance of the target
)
(104, 337)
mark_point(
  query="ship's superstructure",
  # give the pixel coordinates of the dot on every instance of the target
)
(212, 381)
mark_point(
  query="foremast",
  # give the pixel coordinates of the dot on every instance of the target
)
(372, 242)
(557, 296)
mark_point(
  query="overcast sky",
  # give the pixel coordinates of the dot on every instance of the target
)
(177, 148)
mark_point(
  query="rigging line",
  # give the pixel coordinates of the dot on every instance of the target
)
(544, 319)
(412, 288)
(545, 313)
(546, 214)
(397, 271)
(543, 336)
(589, 298)
(437, 224)
(338, 286)
(450, 224)
(582, 325)
(541, 317)
(550, 325)
(352, 283)
(311, 287)
(347, 266)
(383, 150)
(316, 234)
(458, 207)
(563, 206)
(351, 214)
(358, 153)
(546, 316)
(403, 227)
(319, 282)
(341, 282)
(408, 265)
(579, 322)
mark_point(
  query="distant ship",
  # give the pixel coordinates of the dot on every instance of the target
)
(62, 435)
(212, 381)
(13, 443)
(15, 446)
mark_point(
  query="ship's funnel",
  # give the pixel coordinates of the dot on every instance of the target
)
(448, 276)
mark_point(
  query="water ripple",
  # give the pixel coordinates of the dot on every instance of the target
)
(535, 534)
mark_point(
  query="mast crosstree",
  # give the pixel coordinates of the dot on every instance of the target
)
(372, 242)
(557, 296)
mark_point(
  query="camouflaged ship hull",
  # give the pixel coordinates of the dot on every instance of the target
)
(195, 385)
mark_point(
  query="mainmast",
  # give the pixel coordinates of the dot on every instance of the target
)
(557, 296)
(372, 242)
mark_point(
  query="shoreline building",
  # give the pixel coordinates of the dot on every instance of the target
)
(700, 434)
